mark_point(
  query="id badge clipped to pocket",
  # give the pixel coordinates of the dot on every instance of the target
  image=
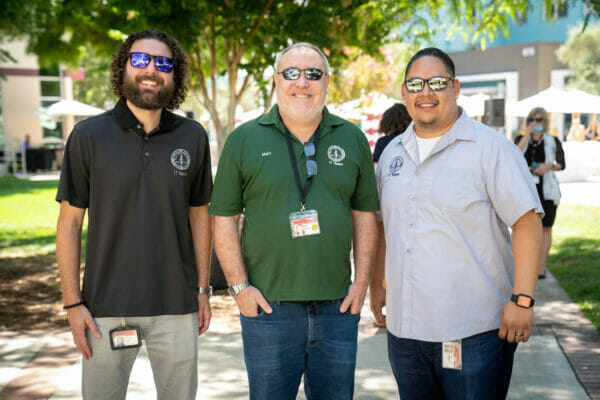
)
(125, 337)
(304, 223)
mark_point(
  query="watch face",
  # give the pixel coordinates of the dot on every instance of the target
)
(523, 301)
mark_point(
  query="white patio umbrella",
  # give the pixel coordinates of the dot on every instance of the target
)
(72, 107)
(556, 101)
(473, 105)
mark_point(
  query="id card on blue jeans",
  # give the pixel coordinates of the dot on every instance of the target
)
(452, 354)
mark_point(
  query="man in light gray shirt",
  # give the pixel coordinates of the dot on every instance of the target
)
(459, 292)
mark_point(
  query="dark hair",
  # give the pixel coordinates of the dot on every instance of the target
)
(432, 52)
(395, 119)
(180, 69)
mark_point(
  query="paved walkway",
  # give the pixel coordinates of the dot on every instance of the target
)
(560, 362)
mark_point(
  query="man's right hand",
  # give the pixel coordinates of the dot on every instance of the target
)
(80, 319)
(248, 301)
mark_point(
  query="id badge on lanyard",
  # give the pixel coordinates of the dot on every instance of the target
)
(303, 222)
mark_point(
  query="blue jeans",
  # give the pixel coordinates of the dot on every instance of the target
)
(301, 338)
(486, 368)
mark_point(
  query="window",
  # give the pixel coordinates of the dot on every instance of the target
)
(560, 9)
(51, 93)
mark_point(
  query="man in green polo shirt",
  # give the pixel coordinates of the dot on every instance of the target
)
(305, 182)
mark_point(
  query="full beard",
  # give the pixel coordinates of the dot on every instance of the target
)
(147, 99)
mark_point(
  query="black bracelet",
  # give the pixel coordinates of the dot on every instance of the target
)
(73, 305)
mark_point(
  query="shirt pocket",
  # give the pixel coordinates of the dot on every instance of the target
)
(456, 189)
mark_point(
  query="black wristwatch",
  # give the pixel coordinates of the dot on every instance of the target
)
(522, 300)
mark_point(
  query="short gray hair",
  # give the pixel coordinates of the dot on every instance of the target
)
(301, 44)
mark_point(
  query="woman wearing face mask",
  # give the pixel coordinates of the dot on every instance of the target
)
(544, 155)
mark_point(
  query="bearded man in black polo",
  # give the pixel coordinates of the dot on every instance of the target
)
(144, 176)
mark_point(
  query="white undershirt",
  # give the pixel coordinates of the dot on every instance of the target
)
(425, 145)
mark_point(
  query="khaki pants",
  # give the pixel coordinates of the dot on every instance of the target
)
(172, 345)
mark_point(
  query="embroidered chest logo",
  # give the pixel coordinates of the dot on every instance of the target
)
(395, 165)
(180, 159)
(336, 154)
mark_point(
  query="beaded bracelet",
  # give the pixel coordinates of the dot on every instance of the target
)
(73, 305)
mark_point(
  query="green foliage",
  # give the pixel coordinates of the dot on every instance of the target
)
(238, 39)
(95, 88)
(575, 257)
(582, 54)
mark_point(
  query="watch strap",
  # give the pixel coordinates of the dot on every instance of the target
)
(234, 290)
(516, 298)
(205, 290)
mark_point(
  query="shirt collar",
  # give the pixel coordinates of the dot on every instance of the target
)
(328, 122)
(127, 120)
(461, 129)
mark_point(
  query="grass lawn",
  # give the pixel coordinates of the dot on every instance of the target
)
(575, 257)
(28, 216)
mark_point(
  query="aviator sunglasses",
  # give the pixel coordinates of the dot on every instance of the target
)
(436, 84)
(538, 119)
(311, 165)
(141, 60)
(292, 74)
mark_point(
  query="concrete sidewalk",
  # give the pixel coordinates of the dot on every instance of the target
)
(561, 360)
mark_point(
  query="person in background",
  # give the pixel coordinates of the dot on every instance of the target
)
(577, 132)
(393, 122)
(544, 155)
(27, 141)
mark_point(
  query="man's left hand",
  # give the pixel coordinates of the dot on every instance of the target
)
(204, 313)
(515, 323)
(355, 298)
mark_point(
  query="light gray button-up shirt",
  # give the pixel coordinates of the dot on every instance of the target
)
(449, 266)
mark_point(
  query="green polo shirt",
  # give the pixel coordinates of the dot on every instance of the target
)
(255, 176)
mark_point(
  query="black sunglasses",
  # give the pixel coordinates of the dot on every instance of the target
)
(538, 119)
(436, 84)
(141, 60)
(311, 165)
(293, 74)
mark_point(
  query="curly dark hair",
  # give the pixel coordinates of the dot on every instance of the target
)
(180, 69)
(395, 119)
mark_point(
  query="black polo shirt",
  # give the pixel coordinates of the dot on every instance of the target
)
(137, 189)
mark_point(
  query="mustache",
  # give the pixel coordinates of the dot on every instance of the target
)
(153, 78)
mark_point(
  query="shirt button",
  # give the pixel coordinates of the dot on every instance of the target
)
(408, 251)
(411, 224)
(147, 154)
(139, 126)
(145, 138)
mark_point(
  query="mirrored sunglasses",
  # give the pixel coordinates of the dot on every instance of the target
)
(311, 165)
(141, 60)
(538, 119)
(436, 84)
(292, 74)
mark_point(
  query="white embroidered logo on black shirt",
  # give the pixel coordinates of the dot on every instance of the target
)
(180, 159)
